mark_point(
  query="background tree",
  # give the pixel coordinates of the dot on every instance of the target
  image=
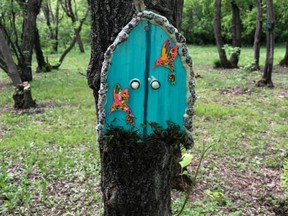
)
(108, 18)
(236, 34)
(257, 36)
(31, 8)
(70, 9)
(281, 17)
(22, 96)
(224, 62)
(270, 24)
(52, 22)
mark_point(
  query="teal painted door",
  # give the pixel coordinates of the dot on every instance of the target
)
(135, 59)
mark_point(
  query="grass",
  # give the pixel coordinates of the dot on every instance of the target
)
(49, 162)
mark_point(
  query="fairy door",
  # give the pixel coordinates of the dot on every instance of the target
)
(145, 78)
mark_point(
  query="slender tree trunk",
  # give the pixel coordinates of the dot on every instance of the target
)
(267, 75)
(56, 43)
(236, 34)
(79, 41)
(284, 61)
(31, 11)
(52, 35)
(8, 60)
(132, 183)
(42, 64)
(257, 36)
(72, 44)
(225, 63)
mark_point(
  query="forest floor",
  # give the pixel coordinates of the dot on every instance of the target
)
(49, 163)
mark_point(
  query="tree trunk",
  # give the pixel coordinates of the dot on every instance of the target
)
(22, 96)
(225, 63)
(177, 16)
(136, 179)
(236, 34)
(8, 60)
(42, 64)
(79, 40)
(284, 61)
(31, 11)
(72, 44)
(3, 65)
(257, 36)
(52, 36)
(267, 75)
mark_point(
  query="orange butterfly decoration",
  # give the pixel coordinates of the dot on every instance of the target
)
(167, 58)
(121, 103)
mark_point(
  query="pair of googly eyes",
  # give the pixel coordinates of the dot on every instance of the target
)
(135, 84)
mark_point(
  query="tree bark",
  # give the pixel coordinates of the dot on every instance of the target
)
(225, 63)
(22, 96)
(136, 179)
(79, 41)
(267, 75)
(31, 11)
(42, 64)
(236, 34)
(257, 36)
(284, 61)
(8, 60)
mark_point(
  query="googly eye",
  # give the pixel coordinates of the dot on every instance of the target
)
(155, 84)
(135, 84)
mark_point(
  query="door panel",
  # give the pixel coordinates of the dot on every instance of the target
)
(135, 58)
(169, 101)
(128, 62)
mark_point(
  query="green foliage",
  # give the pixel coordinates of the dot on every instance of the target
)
(198, 21)
(185, 160)
(230, 50)
(198, 17)
(285, 177)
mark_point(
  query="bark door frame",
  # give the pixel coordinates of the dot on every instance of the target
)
(152, 20)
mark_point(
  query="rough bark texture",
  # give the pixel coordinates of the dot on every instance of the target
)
(236, 34)
(136, 177)
(225, 63)
(267, 75)
(23, 96)
(284, 61)
(257, 36)
(31, 11)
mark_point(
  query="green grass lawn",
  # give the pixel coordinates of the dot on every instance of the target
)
(49, 161)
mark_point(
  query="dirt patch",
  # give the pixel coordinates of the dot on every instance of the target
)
(279, 69)
(235, 90)
(255, 192)
(42, 107)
